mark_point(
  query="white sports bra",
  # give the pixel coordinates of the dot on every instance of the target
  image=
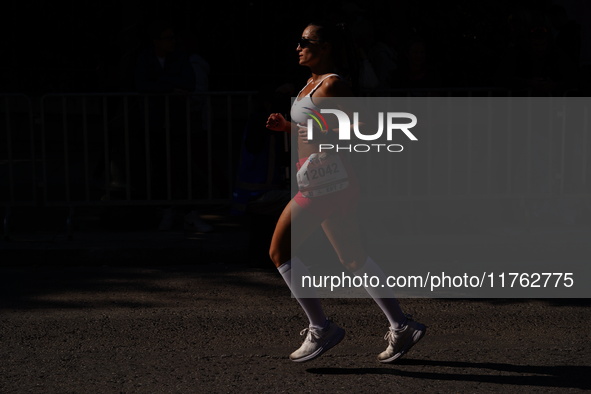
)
(302, 106)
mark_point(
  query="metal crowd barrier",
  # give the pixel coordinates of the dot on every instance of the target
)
(18, 160)
(119, 149)
(539, 160)
(536, 170)
(112, 149)
(18, 155)
(128, 148)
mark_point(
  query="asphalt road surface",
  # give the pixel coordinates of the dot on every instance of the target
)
(220, 328)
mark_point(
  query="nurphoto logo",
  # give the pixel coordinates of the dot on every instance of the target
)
(345, 124)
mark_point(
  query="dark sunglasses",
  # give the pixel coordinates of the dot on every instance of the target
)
(305, 42)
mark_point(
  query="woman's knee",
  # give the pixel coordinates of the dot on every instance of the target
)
(278, 255)
(353, 263)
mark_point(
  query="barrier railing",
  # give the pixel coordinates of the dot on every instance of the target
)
(483, 152)
(112, 149)
(531, 154)
(128, 148)
(17, 160)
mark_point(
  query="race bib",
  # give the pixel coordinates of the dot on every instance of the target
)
(322, 174)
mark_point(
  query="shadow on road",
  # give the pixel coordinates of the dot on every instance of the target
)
(559, 376)
(120, 287)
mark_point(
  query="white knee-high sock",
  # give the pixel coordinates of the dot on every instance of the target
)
(311, 306)
(383, 296)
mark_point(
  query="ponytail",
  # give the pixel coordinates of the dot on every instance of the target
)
(345, 53)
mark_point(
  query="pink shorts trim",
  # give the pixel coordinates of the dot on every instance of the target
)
(338, 203)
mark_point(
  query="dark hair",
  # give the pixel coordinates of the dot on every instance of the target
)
(345, 54)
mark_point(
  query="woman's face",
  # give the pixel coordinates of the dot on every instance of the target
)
(313, 49)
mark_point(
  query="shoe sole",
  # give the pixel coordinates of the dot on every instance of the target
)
(335, 340)
(415, 339)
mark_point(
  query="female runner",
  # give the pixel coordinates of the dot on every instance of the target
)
(323, 48)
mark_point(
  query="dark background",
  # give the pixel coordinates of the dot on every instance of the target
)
(71, 46)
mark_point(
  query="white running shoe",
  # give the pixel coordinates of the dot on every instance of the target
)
(317, 341)
(400, 341)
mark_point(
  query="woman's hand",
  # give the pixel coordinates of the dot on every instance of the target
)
(277, 122)
(303, 134)
(319, 135)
